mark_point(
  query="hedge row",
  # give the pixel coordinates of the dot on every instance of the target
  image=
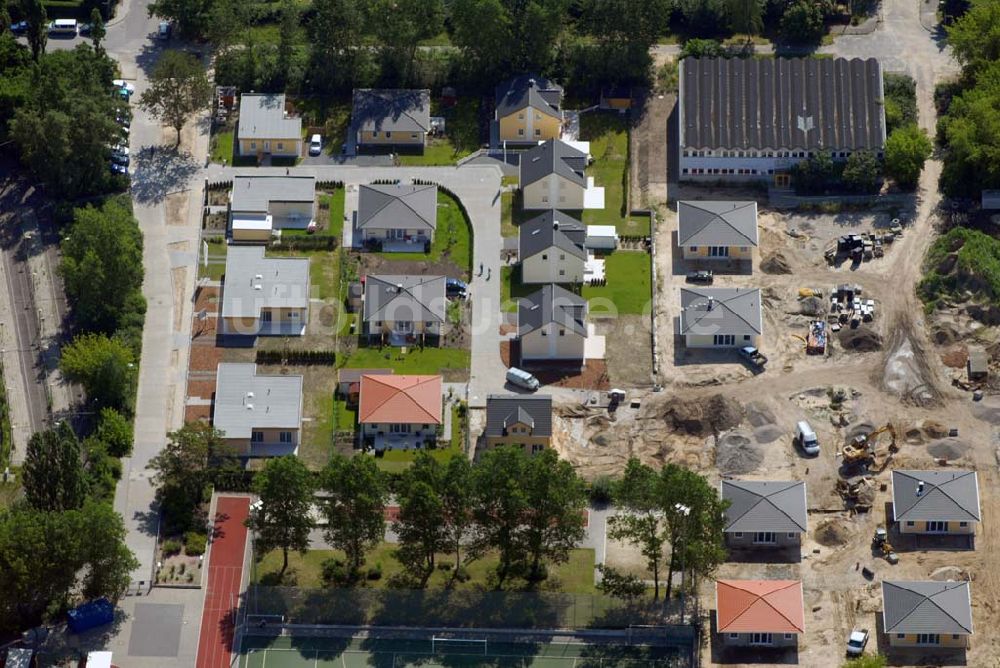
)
(309, 242)
(294, 357)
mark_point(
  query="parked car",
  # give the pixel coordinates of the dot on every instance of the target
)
(756, 358)
(118, 169)
(857, 641)
(456, 288)
(163, 30)
(702, 276)
(85, 29)
(124, 85)
(19, 28)
(120, 159)
(315, 145)
(806, 438)
(63, 27)
(522, 378)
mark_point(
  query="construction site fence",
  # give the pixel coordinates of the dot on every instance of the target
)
(456, 608)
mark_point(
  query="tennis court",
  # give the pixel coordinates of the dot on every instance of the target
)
(286, 652)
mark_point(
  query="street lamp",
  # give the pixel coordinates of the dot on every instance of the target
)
(686, 512)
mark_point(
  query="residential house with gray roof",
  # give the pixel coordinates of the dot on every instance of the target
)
(552, 326)
(721, 317)
(553, 176)
(400, 310)
(765, 513)
(264, 296)
(259, 415)
(927, 614)
(397, 217)
(391, 117)
(944, 501)
(551, 249)
(753, 119)
(266, 127)
(717, 230)
(520, 420)
(258, 205)
(528, 110)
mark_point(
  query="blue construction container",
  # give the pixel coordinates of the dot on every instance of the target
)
(91, 615)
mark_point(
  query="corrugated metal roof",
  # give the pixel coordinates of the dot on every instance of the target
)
(782, 103)
(502, 410)
(391, 109)
(552, 304)
(253, 282)
(405, 298)
(927, 607)
(552, 228)
(263, 117)
(946, 496)
(554, 156)
(529, 90)
(391, 207)
(717, 223)
(709, 311)
(255, 193)
(766, 505)
(245, 401)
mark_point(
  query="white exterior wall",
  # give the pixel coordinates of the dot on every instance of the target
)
(553, 192)
(708, 341)
(536, 346)
(569, 269)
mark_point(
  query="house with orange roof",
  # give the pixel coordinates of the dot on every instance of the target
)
(399, 412)
(759, 613)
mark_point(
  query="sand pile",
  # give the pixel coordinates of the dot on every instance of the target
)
(949, 574)
(759, 415)
(768, 433)
(860, 339)
(736, 453)
(832, 533)
(704, 416)
(812, 306)
(987, 411)
(776, 263)
(947, 448)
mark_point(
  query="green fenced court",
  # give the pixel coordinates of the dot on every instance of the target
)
(312, 652)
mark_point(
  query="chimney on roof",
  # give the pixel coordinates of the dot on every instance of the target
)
(555, 224)
(399, 286)
(711, 303)
(920, 488)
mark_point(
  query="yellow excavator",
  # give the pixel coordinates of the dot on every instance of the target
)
(862, 450)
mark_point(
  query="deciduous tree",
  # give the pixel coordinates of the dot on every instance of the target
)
(53, 475)
(178, 88)
(400, 25)
(104, 367)
(456, 501)
(906, 150)
(34, 13)
(557, 500)
(803, 23)
(115, 431)
(638, 520)
(355, 506)
(285, 487)
(422, 524)
(861, 172)
(97, 29)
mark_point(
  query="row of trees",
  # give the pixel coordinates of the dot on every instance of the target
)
(968, 128)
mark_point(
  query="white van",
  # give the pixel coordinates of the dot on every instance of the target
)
(522, 378)
(806, 438)
(63, 27)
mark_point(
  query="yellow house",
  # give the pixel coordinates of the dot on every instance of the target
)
(258, 415)
(266, 128)
(264, 296)
(522, 420)
(529, 110)
(927, 614)
(717, 230)
(942, 502)
(391, 117)
(721, 317)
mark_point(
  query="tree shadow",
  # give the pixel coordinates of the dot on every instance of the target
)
(159, 172)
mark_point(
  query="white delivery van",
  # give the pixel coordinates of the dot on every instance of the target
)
(806, 438)
(522, 378)
(63, 27)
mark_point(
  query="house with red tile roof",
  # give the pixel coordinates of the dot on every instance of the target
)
(759, 613)
(400, 412)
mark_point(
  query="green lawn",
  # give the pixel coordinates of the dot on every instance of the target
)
(452, 239)
(629, 282)
(608, 136)
(461, 135)
(335, 416)
(217, 248)
(637, 225)
(511, 288)
(222, 146)
(395, 461)
(507, 228)
(333, 226)
(416, 361)
(576, 576)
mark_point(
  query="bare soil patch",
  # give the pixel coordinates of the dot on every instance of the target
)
(375, 263)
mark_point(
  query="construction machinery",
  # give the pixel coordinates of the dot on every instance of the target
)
(863, 450)
(816, 341)
(881, 546)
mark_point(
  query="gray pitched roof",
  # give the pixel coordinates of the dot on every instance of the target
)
(253, 281)
(407, 298)
(387, 207)
(553, 157)
(552, 304)
(503, 410)
(552, 228)
(782, 103)
(927, 607)
(245, 401)
(721, 311)
(255, 193)
(947, 495)
(765, 505)
(529, 90)
(263, 117)
(391, 109)
(717, 223)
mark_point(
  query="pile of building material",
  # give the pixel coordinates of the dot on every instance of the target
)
(858, 494)
(816, 341)
(861, 247)
(848, 306)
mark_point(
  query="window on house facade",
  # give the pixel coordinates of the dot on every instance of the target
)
(256, 437)
(388, 135)
(562, 332)
(536, 448)
(520, 132)
(738, 534)
(265, 316)
(724, 339)
(285, 436)
(538, 132)
(928, 639)
(545, 198)
(562, 272)
(545, 256)
(253, 146)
